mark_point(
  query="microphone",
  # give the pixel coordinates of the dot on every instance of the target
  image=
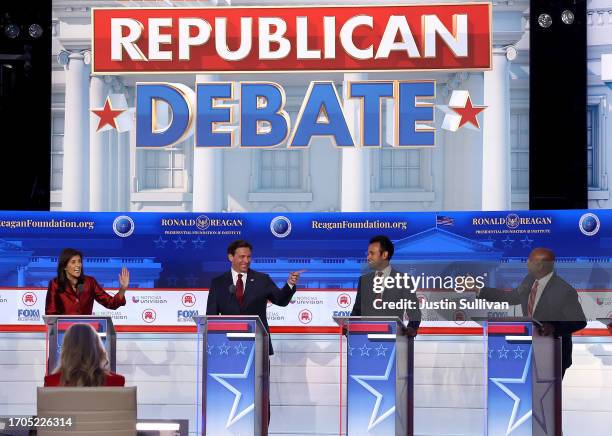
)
(232, 289)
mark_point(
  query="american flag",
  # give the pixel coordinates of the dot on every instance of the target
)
(444, 220)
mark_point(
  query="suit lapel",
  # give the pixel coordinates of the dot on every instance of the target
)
(250, 287)
(368, 284)
(225, 287)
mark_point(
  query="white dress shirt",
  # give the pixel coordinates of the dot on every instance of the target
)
(235, 276)
(386, 271)
(244, 279)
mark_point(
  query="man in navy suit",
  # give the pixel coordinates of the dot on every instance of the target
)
(380, 252)
(547, 298)
(243, 291)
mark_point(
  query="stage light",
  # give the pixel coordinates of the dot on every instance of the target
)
(545, 20)
(11, 31)
(35, 30)
(567, 16)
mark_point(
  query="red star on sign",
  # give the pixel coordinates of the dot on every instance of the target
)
(107, 115)
(468, 113)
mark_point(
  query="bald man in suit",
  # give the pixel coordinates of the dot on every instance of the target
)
(547, 298)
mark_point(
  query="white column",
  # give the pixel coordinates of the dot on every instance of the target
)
(123, 162)
(355, 188)
(496, 174)
(75, 184)
(98, 149)
(207, 175)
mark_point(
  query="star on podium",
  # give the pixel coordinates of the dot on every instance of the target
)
(234, 415)
(376, 417)
(107, 115)
(501, 382)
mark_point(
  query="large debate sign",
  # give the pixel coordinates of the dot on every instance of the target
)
(346, 107)
(284, 39)
(172, 258)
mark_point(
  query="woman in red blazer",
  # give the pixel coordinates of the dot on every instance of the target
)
(83, 361)
(73, 293)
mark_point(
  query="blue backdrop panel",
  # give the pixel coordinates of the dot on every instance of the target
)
(177, 250)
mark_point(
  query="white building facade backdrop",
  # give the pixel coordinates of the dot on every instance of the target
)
(484, 169)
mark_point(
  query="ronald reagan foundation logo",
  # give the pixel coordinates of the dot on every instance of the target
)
(201, 225)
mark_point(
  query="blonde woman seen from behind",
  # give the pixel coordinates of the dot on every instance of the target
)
(83, 361)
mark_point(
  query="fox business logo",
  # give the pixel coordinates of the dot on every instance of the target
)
(186, 315)
(29, 298)
(28, 315)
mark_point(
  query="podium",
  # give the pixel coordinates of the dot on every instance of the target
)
(606, 321)
(57, 326)
(379, 376)
(233, 376)
(522, 378)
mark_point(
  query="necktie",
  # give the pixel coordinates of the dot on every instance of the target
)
(532, 297)
(240, 290)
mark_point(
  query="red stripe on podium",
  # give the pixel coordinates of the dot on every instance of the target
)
(369, 328)
(228, 326)
(474, 331)
(507, 329)
(64, 325)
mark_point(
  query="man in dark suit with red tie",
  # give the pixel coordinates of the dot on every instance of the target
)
(243, 291)
(547, 298)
